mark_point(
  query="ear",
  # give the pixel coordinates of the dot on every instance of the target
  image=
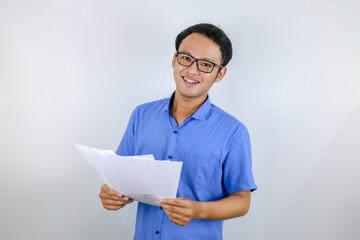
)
(173, 61)
(221, 74)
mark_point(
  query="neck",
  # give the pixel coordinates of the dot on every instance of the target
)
(183, 107)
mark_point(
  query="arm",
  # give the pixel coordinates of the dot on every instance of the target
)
(235, 205)
(182, 210)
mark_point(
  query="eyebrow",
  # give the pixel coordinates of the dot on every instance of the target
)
(205, 58)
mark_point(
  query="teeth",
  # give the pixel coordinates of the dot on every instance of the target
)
(190, 81)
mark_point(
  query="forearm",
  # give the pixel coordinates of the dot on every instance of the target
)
(235, 205)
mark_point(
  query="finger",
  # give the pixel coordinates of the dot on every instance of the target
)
(112, 202)
(178, 219)
(173, 209)
(179, 202)
(104, 195)
(179, 222)
(175, 215)
(127, 199)
(105, 188)
(114, 208)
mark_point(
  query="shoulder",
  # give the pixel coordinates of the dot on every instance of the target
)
(151, 107)
(225, 118)
(236, 133)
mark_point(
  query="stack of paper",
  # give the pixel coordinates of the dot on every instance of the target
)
(141, 178)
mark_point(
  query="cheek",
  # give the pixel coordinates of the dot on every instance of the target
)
(176, 73)
(177, 69)
(210, 78)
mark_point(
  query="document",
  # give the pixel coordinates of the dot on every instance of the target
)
(141, 178)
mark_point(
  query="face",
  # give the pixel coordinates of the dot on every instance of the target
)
(190, 82)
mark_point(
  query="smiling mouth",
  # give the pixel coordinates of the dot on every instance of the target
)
(192, 82)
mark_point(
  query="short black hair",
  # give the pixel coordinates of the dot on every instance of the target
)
(212, 32)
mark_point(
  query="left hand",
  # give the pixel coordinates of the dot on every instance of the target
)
(180, 210)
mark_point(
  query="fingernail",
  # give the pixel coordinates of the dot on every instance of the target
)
(157, 202)
(161, 200)
(120, 195)
(126, 198)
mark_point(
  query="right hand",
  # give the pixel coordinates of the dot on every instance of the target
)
(111, 199)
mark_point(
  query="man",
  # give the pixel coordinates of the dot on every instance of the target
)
(216, 179)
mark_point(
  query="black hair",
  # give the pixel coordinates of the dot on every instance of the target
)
(212, 32)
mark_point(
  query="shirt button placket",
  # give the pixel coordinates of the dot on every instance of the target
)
(159, 222)
(160, 212)
(157, 235)
(173, 144)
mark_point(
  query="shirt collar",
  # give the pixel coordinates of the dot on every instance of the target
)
(168, 103)
(200, 114)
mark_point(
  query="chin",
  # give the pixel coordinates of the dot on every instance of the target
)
(189, 95)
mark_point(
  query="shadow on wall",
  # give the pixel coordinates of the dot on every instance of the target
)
(328, 205)
(113, 224)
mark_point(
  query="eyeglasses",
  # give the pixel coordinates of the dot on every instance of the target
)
(201, 64)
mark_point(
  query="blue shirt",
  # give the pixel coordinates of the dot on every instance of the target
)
(216, 154)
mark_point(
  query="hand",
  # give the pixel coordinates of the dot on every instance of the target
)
(111, 199)
(180, 210)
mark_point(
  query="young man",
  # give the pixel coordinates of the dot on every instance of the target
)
(216, 179)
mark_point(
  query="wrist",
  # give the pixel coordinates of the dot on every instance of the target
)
(201, 210)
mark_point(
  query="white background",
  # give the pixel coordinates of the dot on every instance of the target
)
(72, 71)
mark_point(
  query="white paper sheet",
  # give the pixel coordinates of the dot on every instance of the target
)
(142, 178)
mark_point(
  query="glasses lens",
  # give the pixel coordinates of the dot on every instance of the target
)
(205, 66)
(185, 60)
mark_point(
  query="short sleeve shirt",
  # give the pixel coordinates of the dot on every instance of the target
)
(216, 154)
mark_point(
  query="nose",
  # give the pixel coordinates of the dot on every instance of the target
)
(193, 68)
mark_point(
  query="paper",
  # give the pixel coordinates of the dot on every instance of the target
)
(141, 178)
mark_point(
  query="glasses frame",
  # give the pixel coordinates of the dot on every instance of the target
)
(197, 63)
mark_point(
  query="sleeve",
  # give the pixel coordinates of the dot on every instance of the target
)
(238, 175)
(127, 144)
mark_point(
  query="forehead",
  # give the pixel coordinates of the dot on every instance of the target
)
(200, 46)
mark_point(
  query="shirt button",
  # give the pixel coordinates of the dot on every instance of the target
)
(170, 157)
(161, 208)
(175, 132)
(157, 232)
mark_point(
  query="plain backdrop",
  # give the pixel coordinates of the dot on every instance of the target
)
(73, 71)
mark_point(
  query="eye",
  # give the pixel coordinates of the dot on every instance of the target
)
(207, 64)
(186, 58)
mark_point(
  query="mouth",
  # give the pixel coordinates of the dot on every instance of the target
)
(190, 82)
